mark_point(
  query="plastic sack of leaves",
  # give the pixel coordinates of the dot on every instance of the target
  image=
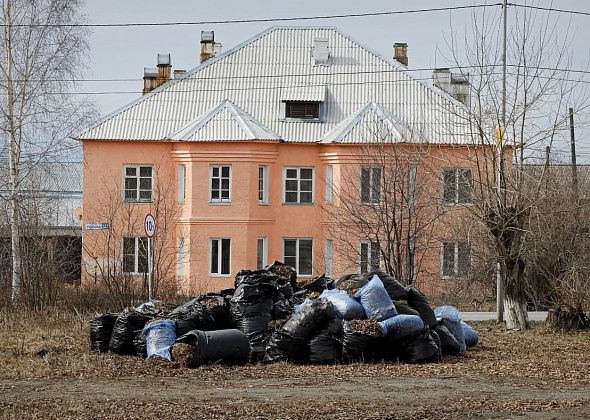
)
(251, 309)
(284, 271)
(471, 337)
(282, 347)
(139, 344)
(312, 318)
(351, 283)
(402, 326)
(451, 318)
(217, 305)
(418, 301)
(192, 315)
(449, 344)
(362, 341)
(326, 347)
(420, 349)
(101, 329)
(346, 307)
(403, 309)
(159, 336)
(124, 329)
(375, 300)
(394, 288)
(155, 308)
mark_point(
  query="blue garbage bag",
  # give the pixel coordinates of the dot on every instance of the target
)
(302, 306)
(375, 300)
(471, 337)
(450, 316)
(402, 326)
(346, 307)
(160, 336)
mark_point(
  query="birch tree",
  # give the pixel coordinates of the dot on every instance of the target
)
(41, 54)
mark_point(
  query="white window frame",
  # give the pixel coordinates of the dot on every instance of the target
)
(219, 257)
(455, 201)
(138, 178)
(220, 167)
(372, 190)
(298, 169)
(329, 184)
(180, 257)
(264, 180)
(297, 262)
(264, 255)
(455, 244)
(181, 176)
(135, 255)
(370, 250)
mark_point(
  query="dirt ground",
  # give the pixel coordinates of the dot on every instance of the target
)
(47, 371)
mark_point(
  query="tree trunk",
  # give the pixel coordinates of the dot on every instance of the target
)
(515, 301)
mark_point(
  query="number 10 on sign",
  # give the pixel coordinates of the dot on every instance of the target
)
(149, 225)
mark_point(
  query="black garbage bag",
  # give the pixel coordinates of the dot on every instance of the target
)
(403, 309)
(192, 315)
(326, 347)
(139, 343)
(284, 271)
(362, 341)
(101, 329)
(312, 318)
(418, 301)
(351, 283)
(394, 288)
(420, 349)
(281, 308)
(449, 344)
(251, 310)
(124, 329)
(218, 306)
(282, 347)
(437, 358)
(317, 284)
(282, 305)
(255, 277)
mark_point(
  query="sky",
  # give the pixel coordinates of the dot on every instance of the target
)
(122, 53)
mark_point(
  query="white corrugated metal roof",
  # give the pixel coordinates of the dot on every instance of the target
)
(256, 73)
(371, 123)
(304, 93)
(224, 122)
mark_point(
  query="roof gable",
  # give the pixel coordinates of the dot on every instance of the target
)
(224, 121)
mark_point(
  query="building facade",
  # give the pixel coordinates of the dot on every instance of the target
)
(268, 151)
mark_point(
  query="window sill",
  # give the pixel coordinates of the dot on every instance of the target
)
(458, 204)
(219, 203)
(138, 201)
(263, 204)
(311, 120)
(219, 275)
(297, 204)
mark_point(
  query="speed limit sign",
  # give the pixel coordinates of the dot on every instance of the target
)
(149, 225)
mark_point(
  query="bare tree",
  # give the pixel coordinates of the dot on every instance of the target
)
(538, 90)
(386, 206)
(41, 53)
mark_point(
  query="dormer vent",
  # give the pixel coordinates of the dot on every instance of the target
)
(320, 52)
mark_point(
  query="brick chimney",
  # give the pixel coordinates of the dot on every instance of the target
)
(400, 52)
(164, 69)
(455, 84)
(150, 76)
(179, 73)
(209, 48)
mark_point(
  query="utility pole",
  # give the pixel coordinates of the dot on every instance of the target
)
(501, 182)
(574, 166)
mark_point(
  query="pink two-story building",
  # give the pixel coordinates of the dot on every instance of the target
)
(246, 159)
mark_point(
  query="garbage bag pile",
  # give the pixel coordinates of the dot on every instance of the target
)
(270, 317)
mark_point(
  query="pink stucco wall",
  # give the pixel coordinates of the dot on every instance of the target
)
(244, 220)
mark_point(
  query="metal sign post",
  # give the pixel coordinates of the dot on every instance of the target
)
(149, 225)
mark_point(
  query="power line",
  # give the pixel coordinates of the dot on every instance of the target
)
(261, 20)
(550, 9)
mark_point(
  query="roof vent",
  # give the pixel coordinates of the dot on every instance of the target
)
(164, 60)
(208, 45)
(179, 74)
(320, 52)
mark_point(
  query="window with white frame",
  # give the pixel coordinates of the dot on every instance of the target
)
(180, 257)
(458, 186)
(370, 256)
(298, 185)
(181, 175)
(138, 183)
(135, 258)
(328, 257)
(298, 253)
(220, 251)
(220, 191)
(263, 184)
(455, 258)
(261, 253)
(370, 184)
(329, 183)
